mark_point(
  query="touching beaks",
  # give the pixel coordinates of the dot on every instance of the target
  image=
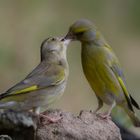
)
(69, 36)
(67, 41)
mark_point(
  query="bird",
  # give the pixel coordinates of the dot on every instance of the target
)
(45, 84)
(102, 69)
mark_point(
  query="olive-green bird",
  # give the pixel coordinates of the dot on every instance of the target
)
(44, 84)
(102, 69)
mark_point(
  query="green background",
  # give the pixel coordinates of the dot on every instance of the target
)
(24, 24)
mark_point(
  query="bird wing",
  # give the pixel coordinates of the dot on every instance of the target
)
(121, 81)
(42, 76)
(119, 75)
(116, 69)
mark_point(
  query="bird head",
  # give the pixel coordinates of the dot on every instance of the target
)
(82, 30)
(53, 47)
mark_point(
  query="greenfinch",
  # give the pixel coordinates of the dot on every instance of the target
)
(44, 84)
(102, 69)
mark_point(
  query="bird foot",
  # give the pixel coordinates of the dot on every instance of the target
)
(49, 119)
(104, 116)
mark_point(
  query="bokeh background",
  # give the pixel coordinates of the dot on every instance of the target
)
(24, 24)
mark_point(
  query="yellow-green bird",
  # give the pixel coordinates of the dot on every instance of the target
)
(102, 69)
(44, 84)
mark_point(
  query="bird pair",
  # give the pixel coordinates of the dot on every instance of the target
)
(48, 80)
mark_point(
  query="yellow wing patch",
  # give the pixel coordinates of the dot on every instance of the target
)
(126, 94)
(32, 88)
(60, 77)
(123, 86)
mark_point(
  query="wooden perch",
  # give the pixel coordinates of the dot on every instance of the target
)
(86, 126)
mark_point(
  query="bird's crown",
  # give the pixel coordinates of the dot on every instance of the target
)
(81, 25)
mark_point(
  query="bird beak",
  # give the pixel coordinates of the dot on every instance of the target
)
(69, 36)
(67, 41)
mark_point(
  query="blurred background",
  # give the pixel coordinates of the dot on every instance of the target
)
(24, 24)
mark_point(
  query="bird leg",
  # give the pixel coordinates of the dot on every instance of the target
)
(36, 110)
(100, 105)
(51, 120)
(106, 115)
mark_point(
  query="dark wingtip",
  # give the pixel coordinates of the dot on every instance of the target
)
(134, 103)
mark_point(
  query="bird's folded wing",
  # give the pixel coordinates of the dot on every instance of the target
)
(41, 77)
(116, 69)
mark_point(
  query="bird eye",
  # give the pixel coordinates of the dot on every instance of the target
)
(53, 39)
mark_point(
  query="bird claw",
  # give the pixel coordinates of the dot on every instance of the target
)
(49, 119)
(104, 116)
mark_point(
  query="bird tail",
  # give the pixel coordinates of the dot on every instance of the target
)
(135, 104)
(135, 120)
